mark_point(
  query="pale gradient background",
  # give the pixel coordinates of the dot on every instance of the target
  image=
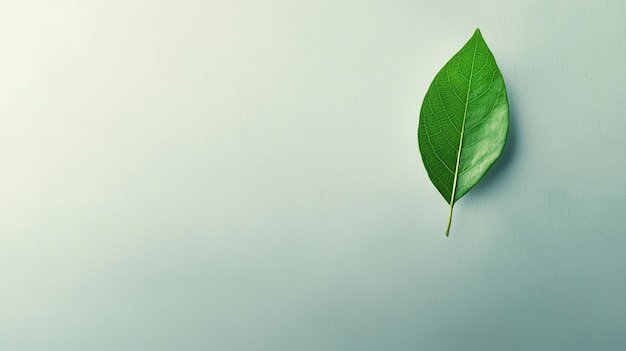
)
(244, 175)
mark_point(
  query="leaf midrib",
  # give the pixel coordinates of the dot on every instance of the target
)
(458, 157)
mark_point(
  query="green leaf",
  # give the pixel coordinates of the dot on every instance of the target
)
(464, 121)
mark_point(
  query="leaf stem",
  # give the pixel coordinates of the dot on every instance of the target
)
(449, 219)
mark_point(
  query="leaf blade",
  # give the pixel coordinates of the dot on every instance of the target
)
(463, 121)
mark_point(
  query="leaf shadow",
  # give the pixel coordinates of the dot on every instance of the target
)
(503, 164)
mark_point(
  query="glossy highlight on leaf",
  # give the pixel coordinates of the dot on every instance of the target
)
(464, 121)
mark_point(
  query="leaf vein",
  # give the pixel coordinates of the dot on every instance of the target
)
(433, 149)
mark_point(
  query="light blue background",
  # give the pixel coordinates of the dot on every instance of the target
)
(244, 175)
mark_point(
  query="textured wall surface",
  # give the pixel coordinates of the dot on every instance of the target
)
(244, 175)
